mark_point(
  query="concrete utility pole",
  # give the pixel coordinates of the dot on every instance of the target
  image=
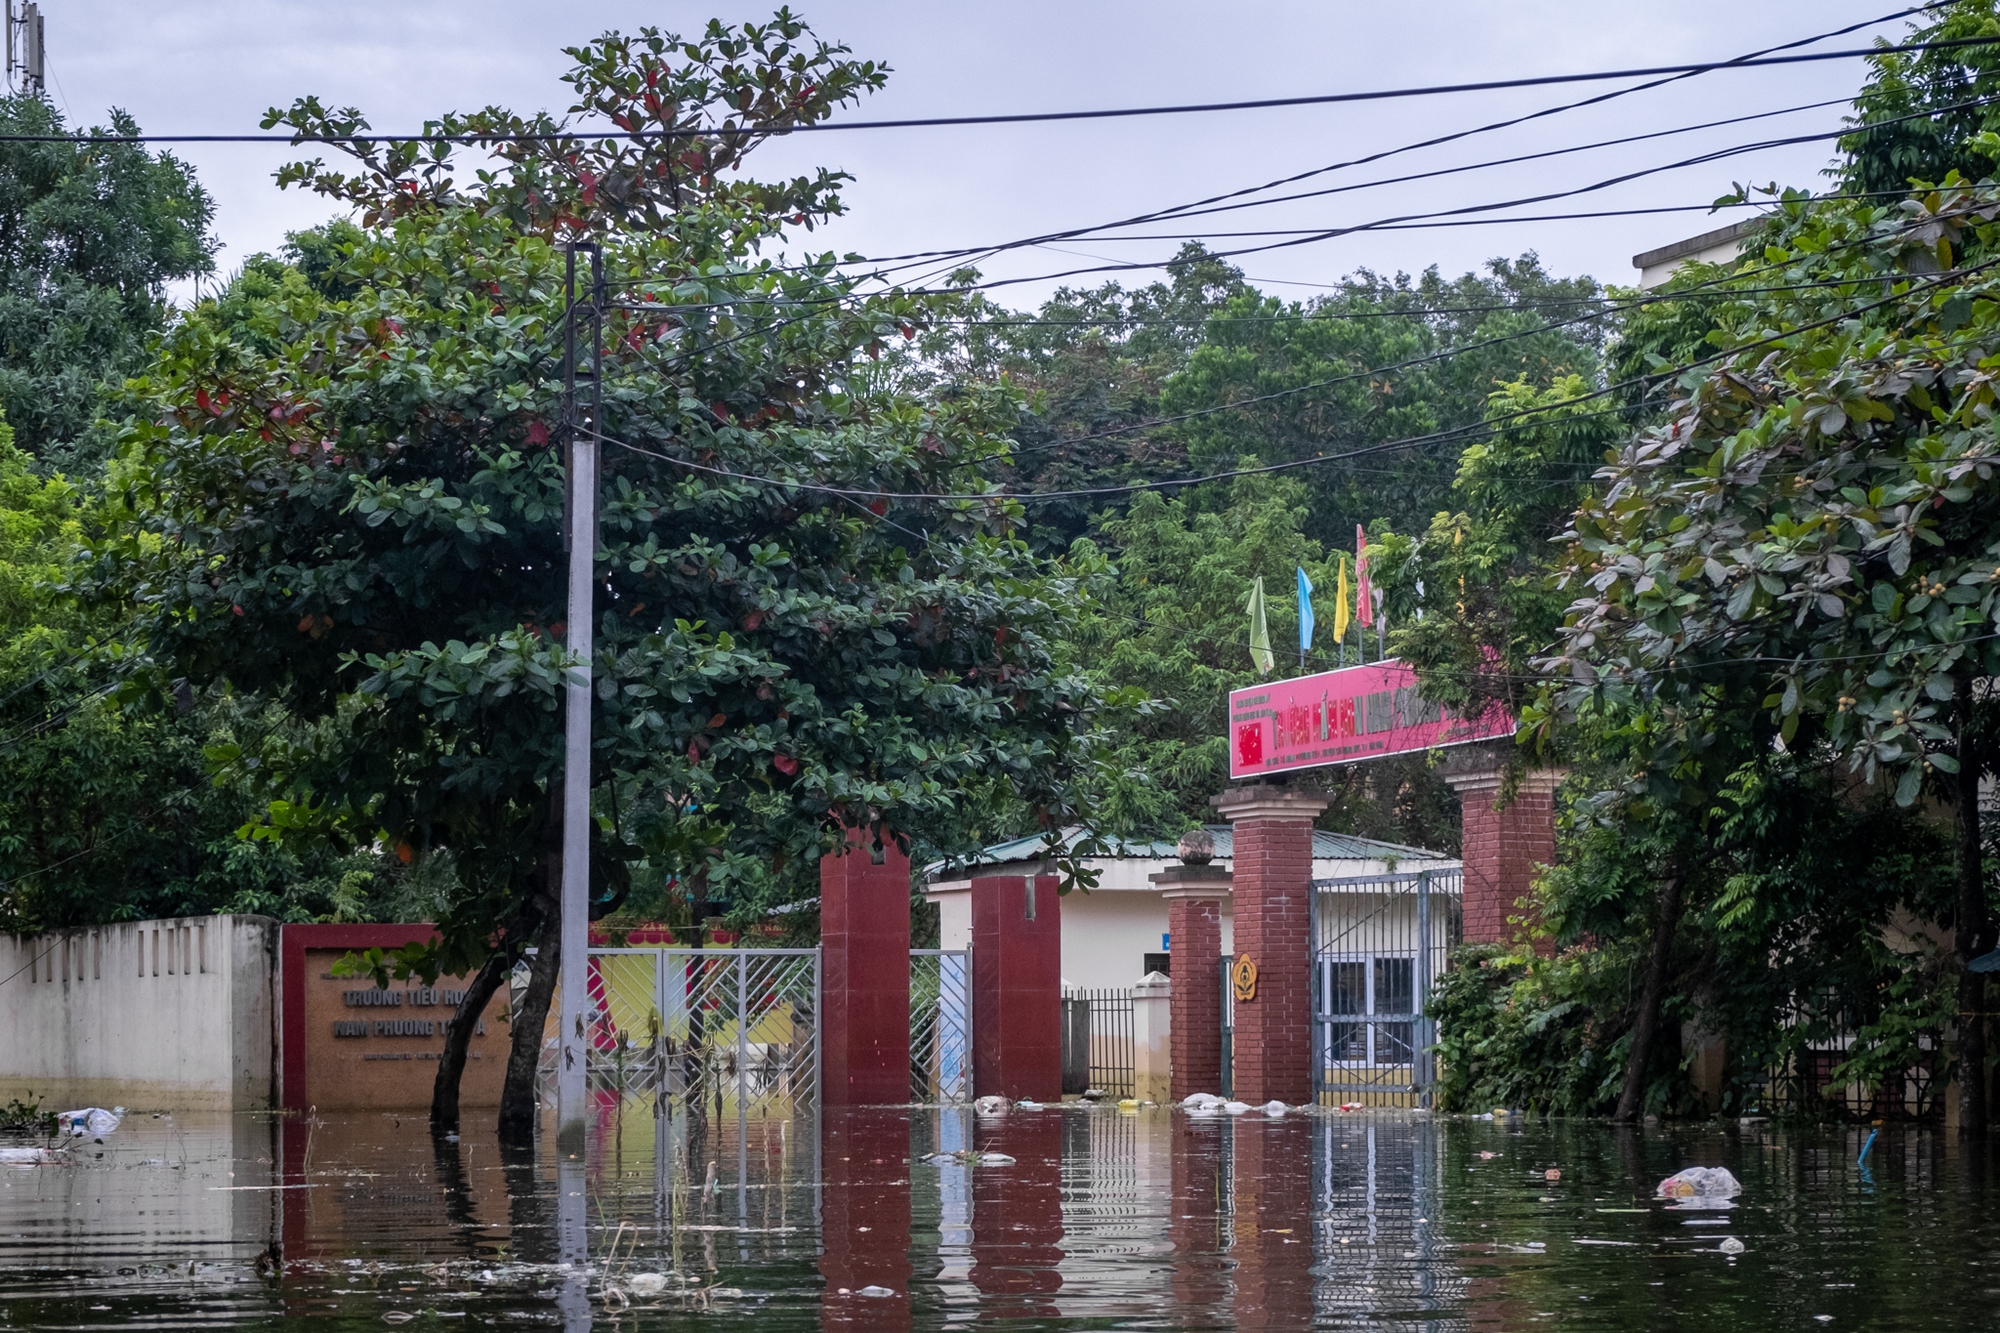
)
(580, 427)
(24, 48)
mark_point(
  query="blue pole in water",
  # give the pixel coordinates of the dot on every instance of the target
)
(1866, 1146)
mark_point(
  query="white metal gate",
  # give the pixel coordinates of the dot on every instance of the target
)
(1379, 944)
(718, 1031)
(941, 1025)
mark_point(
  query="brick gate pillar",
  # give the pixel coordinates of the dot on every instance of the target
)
(1017, 987)
(1271, 892)
(864, 908)
(1504, 846)
(1194, 895)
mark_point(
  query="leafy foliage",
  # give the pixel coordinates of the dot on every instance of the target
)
(348, 501)
(90, 235)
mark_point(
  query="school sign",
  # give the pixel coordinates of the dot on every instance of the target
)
(1340, 717)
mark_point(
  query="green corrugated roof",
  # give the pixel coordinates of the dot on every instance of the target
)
(1326, 847)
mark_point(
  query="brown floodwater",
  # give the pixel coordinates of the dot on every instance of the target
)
(1102, 1220)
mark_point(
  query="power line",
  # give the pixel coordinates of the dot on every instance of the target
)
(728, 130)
(1294, 464)
(1455, 135)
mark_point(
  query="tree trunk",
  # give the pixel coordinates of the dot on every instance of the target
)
(1974, 933)
(458, 1037)
(517, 1098)
(1659, 962)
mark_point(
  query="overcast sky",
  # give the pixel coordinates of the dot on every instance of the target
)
(215, 66)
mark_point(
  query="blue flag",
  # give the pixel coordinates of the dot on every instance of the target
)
(1305, 612)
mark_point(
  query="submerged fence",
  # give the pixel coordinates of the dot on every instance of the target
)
(1379, 944)
(941, 1025)
(717, 1031)
(1097, 1041)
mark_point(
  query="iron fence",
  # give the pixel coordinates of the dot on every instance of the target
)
(1097, 1041)
(714, 1032)
(1379, 944)
(1806, 1083)
(941, 1025)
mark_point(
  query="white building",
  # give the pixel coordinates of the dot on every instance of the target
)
(1116, 933)
(1721, 246)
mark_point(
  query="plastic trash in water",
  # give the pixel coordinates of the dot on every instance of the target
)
(1731, 1245)
(874, 1292)
(33, 1156)
(92, 1122)
(1027, 1105)
(1202, 1103)
(1237, 1108)
(993, 1159)
(1700, 1182)
(1274, 1107)
(1128, 1104)
(990, 1106)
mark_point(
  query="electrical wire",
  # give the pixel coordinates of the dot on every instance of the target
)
(1032, 117)
(1438, 140)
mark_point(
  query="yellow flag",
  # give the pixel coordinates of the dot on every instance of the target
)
(1340, 600)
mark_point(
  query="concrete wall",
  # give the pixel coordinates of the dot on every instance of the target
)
(150, 1015)
(1108, 932)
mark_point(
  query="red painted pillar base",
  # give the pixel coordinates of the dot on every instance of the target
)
(1504, 847)
(864, 908)
(1271, 893)
(1017, 987)
(1194, 897)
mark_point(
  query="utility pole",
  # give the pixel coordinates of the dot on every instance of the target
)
(580, 426)
(24, 48)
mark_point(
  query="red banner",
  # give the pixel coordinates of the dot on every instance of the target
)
(1339, 717)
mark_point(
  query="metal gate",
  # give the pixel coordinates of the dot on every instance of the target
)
(717, 1031)
(941, 1025)
(1097, 1041)
(1379, 944)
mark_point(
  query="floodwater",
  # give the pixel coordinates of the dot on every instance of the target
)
(1104, 1220)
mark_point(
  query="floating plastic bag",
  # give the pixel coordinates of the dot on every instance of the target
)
(1700, 1182)
(92, 1122)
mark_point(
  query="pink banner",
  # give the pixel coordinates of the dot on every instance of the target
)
(1338, 717)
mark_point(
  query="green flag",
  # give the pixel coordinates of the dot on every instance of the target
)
(1260, 634)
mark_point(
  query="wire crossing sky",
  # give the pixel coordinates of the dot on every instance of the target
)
(184, 68)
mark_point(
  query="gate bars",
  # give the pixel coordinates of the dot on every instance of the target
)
(941, 1025)
(1379, 945)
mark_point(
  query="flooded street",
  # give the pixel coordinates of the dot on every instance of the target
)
(1102, 1220)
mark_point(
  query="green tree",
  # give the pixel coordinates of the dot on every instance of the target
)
(91, 233)
(1945, 93)
(1172, 624)
(355, 511)
(1806, 555)
(1282, 382)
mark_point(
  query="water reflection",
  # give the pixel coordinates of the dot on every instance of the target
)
(1102, 1220)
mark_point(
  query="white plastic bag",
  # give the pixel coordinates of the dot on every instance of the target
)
(1700, 1182)
(92, 1122)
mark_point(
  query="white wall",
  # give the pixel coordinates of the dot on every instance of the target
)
(150, 1015)
(1108, 931)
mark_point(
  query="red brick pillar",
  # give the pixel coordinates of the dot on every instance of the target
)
(1194, 895)
(1016, 987)
(1504, 846)
(1271, 889)
(864, 908)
